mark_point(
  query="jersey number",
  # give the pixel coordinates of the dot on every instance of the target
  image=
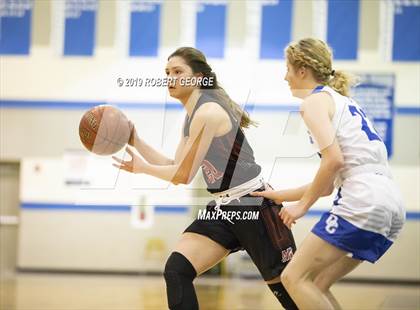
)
(371, 134)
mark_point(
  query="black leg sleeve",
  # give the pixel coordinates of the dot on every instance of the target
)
(179, 275)
(281, 294)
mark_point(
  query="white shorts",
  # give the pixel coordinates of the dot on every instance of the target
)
(366, 217)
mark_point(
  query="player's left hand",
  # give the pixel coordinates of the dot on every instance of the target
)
(135, 165)
(290, 214)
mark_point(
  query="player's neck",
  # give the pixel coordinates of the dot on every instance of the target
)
(307, 88)
(190, 102)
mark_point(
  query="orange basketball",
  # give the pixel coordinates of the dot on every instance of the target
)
(104, 130)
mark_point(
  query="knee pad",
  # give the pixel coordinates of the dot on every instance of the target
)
(179, 274)
(283, 296)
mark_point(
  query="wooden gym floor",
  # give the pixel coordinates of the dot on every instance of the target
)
(34, 291)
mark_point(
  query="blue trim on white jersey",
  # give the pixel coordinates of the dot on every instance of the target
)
(362, 244)
(337, 197)
(317, 89)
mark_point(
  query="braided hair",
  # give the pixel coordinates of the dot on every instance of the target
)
(317, 56)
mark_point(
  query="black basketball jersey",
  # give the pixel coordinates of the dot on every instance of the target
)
(230, 160)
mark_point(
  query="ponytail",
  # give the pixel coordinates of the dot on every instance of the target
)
(341, 82)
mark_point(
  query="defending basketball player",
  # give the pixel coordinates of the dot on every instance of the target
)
(367, 213)
(213, 139)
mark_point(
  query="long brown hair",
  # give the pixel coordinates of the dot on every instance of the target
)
(317, 55)
(196, 60)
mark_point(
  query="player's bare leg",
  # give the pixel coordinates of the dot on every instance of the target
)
(332, 274)
(313, 256)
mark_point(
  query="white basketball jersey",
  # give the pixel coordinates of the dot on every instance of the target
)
(370, 201)
(359, 142)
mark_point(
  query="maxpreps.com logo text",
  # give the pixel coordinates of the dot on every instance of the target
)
(230, 216)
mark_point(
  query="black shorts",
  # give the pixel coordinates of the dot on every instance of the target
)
(248, 234)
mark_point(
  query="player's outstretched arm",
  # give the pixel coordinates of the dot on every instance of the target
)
(202, 131)
(288, 195)
(281, 196)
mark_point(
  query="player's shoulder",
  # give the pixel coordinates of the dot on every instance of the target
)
(316, 101)
(211, 111)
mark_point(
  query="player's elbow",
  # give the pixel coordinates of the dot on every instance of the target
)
(328, 190)
(335, 163)
(339, 163)
(179, 180)
(182, 178)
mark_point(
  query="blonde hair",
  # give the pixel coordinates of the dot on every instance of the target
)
(317, 55)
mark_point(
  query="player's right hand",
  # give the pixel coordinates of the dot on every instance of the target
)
(270, 194)
(135, 165)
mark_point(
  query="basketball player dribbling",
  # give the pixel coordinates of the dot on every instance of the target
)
(367, 213)
(213, 139)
